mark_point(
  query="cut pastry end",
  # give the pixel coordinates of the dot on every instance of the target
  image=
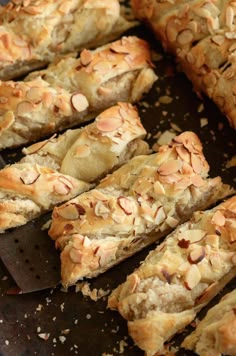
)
(169, 288)
(215, 334)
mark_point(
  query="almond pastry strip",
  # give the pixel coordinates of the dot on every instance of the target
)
(202, 36)
(59, 169)
(215, 334)
(179, 278)
(133, 207)
(88, 153)
(74, 90)
(33, 33)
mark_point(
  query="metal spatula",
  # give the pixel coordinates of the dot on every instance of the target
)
(30, 256)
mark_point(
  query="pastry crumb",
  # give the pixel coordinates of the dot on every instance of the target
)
(94, 294)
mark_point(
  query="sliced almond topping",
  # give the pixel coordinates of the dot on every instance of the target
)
(86, 57)
(82, 151)
(160, 215)
(158, 188)
(86, 242)
(101, 209)
(7, 120)
(29, 177)
(218, 218)
(79, 102)
(75, 255)
(25, 107)
(169, 167)
(192, 277)
(61, 188)
(183, 153)
(212, 240)
(105, 124)
(172, 222)
(207, 294)
(192, 236)
(196, 163)
(125, 204)
(33, 94)
(197, 254)
(71, 211)
(197, 181)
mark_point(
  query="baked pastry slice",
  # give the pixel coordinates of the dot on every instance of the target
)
(28, 190)
(202, 36)
(215, 334)
(133, 207)
(74, 90)
(59, 169)
(90, 152)
(119, 71)
(33, 33)
(179, 277)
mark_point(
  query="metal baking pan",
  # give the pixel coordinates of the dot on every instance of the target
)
(55, 322)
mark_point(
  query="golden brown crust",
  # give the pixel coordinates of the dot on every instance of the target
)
(202, 36)
(132, 207)
(179, 277)
(74, 90)
(35, 32)
(35, 184)
(215, 334)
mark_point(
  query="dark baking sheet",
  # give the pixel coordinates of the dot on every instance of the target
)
(76, 325)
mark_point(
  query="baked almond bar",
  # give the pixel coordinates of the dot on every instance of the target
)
(59, 169)
(33, 33)
(179, 278)
(74, 90)
(202, 36)
(88, 153)
(133, 207)
(215, 334)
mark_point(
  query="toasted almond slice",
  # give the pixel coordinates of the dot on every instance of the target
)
(86, 57)
(29, 177)
(79, 102)
(82, 151)
(106, 124)
(192, 277)
(71, 211)
(196, 163)
(160, 215)
(172, 222)
(33, 94)
(125, 204)
(197, 254)
(25, 107)
(218, 218)
(183, 153)
(101, 209)
(75, 255)
(169, 167)
(7, 120)
(158, 188)
(197, 181)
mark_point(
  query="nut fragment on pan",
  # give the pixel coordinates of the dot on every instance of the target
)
(66, 164)
(215, 334)
(89, 153)
(133, 207)
(202, 36)
(166, 292)
(34, 32)
(71, 93)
